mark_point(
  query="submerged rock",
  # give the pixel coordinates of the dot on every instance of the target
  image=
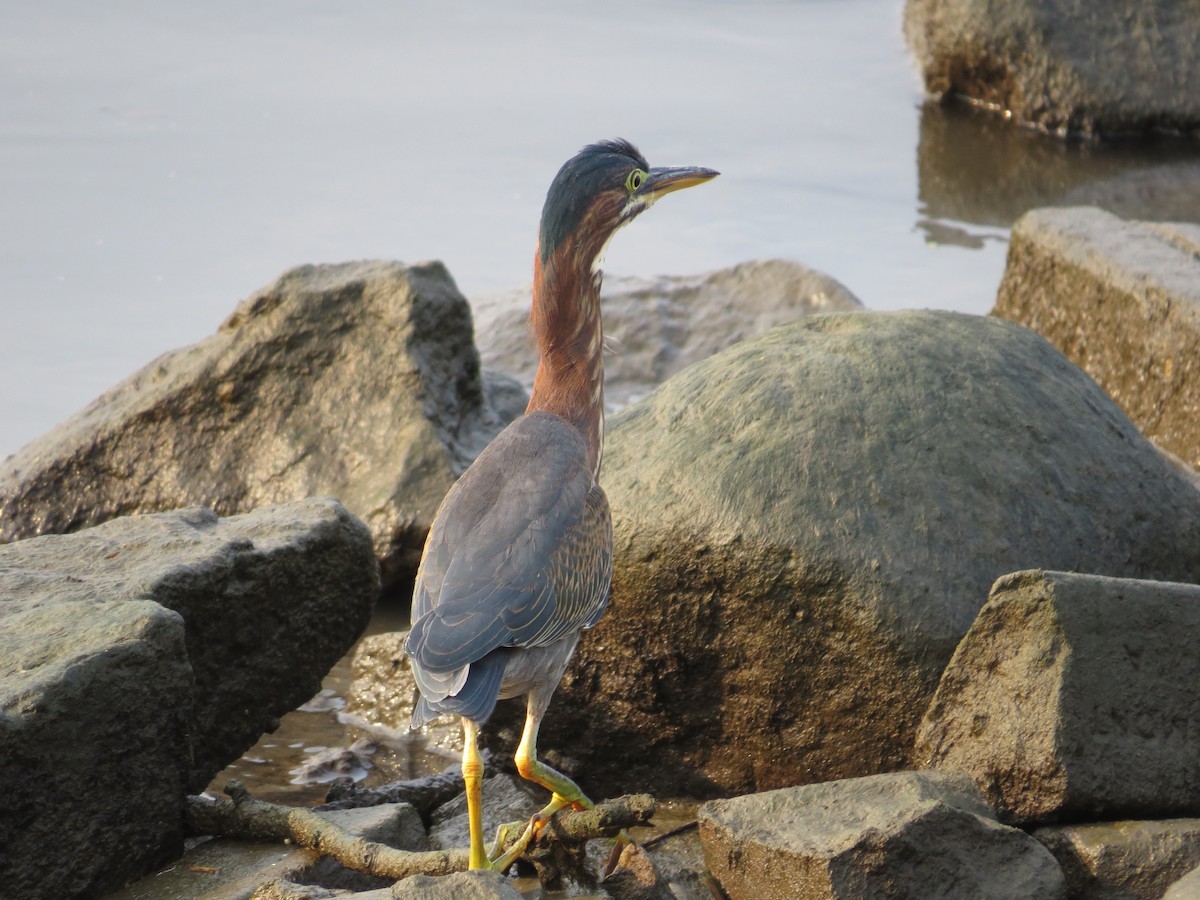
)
(1122, 300)
(140, 657)
(907, 834)
(807, 523)
(358, 381)
(1072, 697)
(654, 327)
(1070, 67)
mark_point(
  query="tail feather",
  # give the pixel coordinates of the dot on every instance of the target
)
(475, 697)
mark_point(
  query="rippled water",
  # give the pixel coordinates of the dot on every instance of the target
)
(158, 162)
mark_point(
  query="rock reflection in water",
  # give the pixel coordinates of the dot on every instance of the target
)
(977, 168)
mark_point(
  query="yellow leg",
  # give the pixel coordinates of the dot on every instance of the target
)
(472, 769)
(563, 791)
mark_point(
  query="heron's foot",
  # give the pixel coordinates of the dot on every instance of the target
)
(501, 859)
(478, 859)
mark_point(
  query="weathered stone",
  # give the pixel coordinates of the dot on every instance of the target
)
(505, 800)
(459, 886)
(1073, 697)
(95, 699)
(383, 692)
(1123, 860)
(657, 326)
(807, 523)
(1122, 301)
(1186, 888)
(225, 869)
(906, 834)
(1053, 64)
(269, 600)
(358, 381)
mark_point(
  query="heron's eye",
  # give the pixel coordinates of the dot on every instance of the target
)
(635, 179)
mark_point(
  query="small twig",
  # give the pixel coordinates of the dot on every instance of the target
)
(658, 839)
(244, 817)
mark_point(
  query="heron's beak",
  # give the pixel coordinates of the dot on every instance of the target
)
(673, 178)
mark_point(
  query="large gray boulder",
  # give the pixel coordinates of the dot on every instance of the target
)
(1069, 67)
(1072, 697)
(905, 834)
(654, 327)
(139, 657)
(95, 703)
(807, 523)
(1122, 300)
(1124, 860)
(359, 381)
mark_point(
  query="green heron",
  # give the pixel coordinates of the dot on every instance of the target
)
(519, 558)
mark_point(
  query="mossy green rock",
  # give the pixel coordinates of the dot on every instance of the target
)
(807, 523)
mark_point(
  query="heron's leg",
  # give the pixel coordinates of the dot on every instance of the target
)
(472, 769)
(563, 791)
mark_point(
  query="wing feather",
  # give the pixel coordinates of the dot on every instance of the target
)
(519, 555)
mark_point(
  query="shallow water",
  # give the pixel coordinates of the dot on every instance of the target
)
(160, 162)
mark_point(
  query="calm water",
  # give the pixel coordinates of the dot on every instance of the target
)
(158, 162)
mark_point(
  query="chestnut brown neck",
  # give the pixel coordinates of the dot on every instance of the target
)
(566, 324)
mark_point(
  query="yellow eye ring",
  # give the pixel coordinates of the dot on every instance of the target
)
(635, 179)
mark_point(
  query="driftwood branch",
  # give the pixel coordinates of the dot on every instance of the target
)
(558, 844)
(558, 851)
(242, 816)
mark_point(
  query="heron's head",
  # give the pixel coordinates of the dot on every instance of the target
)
(598, 190)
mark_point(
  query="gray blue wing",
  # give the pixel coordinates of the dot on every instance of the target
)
(502, 565)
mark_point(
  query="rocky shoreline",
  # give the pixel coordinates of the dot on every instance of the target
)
(807, 522)
(904, 604)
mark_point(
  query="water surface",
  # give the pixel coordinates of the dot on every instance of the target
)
(158, 162)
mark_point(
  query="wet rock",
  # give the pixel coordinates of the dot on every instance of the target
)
(1123, 860)
(505, 799)
(383, 692)
(1121, 300)
(337, 763)
(95, 700)
(459, 886)
(224, 869)
(142, 656)
(807, 523)
(1072, 698)
(906, 834)
(636, 877)
(1051, 63)
(655, 327)
(424, 794)
(358, 381)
